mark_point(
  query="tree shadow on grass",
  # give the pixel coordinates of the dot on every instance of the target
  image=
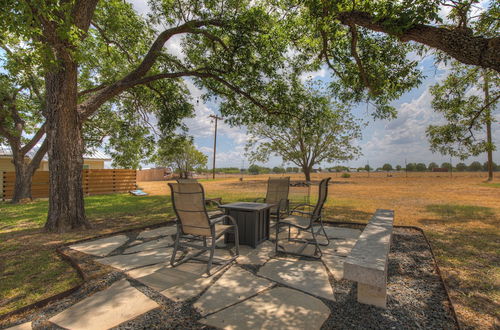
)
(452, 213)
(345, 214)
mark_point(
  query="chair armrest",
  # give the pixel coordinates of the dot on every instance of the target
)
(222, 218)
(217, 201)
(259, 199)
(301, 212)
(302, 205)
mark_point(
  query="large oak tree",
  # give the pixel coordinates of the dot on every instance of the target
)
(118, 50)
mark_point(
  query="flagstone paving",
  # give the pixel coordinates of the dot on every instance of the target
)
(235, 285)
(140, 259)
(335, 265)
(260, 290)
(108, 308)
(101, 247)
(340, 247)
(187, 290)
(339, 232)
(166, 277)
(22, 326)
(308, 276)
(162, 231)
(158, 243)
(278, 308)
(258, 256)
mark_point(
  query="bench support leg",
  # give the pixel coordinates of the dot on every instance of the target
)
(372, 295)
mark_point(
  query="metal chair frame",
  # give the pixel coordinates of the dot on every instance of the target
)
(315, 218)
(283, 205)
(213, 236)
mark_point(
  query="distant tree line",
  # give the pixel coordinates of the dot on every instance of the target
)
(421, 167)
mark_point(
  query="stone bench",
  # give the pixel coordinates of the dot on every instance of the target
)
(367, 262)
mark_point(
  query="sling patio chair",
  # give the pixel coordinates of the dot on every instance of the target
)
(209, 201)
(306, 221)
(277, 193)
(194, 225)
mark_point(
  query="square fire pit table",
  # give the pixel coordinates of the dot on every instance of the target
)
(252, 220)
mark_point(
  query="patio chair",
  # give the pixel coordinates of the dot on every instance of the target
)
(209, 201)
(194, 224)
(306, 221)
(277, 193)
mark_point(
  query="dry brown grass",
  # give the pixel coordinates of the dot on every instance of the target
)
(460, 215)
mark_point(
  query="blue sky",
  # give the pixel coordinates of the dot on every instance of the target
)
(383, 141)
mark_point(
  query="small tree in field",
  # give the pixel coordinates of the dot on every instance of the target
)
(320, 131)
(475, 166)
(432, 166)
(420, 167)
(387, 167)
(180, 153)
(461, 167)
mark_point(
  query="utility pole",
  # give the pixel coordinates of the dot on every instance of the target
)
(215, 117)
(406, 169)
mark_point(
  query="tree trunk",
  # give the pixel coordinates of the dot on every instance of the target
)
(307, 173)
(488, 126)
(65, 150)
(22, 188)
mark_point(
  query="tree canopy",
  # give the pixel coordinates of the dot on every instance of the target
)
(320, 130)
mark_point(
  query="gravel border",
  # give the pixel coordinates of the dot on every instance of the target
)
(417, 297)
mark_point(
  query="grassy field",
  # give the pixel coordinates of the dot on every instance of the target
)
(460, 215)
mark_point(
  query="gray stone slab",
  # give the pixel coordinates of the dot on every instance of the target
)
(166, 277)
(162, 231)
(235, 285)
(148, 270)
(157, 243)
(339, 232)
(308, 276)
(105, 309)
(367, 261)
(101, 247)
(187, 290)
(340, 247)
(257, 256)
(22, 326)
(300, 248)
(372, 295)
(278, 308)
(141, 259)
(335, 265)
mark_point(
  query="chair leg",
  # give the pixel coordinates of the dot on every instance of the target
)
(315, 240)
(277, 229)
(176, 247)
(212, 251)
(236, 240)
(324, 231)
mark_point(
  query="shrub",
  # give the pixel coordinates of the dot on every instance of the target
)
(345, 175)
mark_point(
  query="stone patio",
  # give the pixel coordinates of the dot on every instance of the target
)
(260, 290)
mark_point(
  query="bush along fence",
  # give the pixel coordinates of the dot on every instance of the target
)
(95, 182)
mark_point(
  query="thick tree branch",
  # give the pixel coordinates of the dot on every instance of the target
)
(458, 43)
(40, 153)
(34, 140)
(359, 63)
(92, 104)
(83, 11)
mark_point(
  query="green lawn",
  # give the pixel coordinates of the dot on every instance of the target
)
(30, 268)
